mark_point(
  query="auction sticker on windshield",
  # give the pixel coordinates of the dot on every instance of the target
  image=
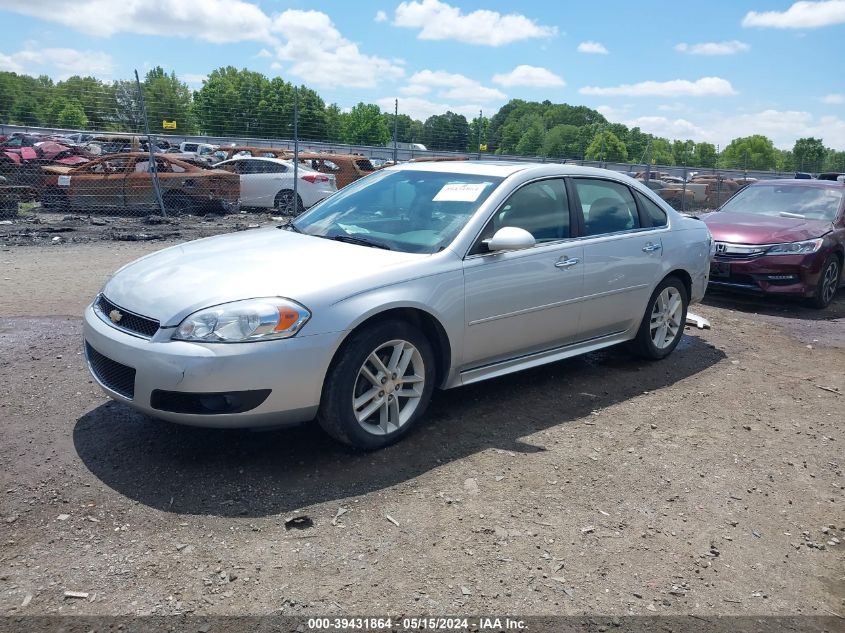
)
(460, 192)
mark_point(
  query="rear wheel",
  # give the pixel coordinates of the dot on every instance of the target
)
(285, 205)
(663, 323)
(379, 386)
(828, 283)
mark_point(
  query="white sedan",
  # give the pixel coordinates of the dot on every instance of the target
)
(268, 183)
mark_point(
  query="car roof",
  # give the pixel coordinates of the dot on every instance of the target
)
(800, 182)
(504, 169)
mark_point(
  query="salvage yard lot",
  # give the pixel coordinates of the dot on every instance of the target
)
(710, 483)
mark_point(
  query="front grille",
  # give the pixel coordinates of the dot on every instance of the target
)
(119, 378)
(129, 321)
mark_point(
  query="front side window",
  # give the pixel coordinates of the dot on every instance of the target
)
(608, 207)
(409, 210)
(541, 208)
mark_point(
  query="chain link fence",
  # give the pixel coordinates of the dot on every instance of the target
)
(244, 144)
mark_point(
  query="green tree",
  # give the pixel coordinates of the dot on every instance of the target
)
(167, 98)
(478, 129)
(531, 141)
(26, 111)
(562, 141)
(704, 155)
(682, 152)
(809, 153)
(606, 146)
(448, 131)
(334, 123)
(95, 97)
(834, 161)
(752, 152)
(73, 117)
(9, 93)
(364, 125)
(229, 102)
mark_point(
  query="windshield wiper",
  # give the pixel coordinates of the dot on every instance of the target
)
(787, 214)
(290, 226)
(351, 239)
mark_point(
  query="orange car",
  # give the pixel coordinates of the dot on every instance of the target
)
(345, 168)
(124, 181)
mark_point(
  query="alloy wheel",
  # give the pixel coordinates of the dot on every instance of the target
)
(830, 281)
(666, 314)
(388, 387)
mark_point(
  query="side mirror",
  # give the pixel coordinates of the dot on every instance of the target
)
(511, 238)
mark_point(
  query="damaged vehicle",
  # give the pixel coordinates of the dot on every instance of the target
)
(420, 276)
(781, 237)
(124, 182)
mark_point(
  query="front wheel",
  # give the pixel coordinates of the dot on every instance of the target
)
(663, 323)
(828, 283)
(379, 386)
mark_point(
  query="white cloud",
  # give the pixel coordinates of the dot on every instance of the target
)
(264, 53)
(801, 15)
(704, 87)
(216, 21)
(193, 79)
(320, 55)
(533, 76)
(731, 47)
(452, 86)
(592, 48)
(381, 16)
(421, 109)
(415, 90)
(783, 127)
(59, 63)
(440, 21)
(833, 99)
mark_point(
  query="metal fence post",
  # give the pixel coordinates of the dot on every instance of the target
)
(395, 130)
(153, 168)
(295, 150)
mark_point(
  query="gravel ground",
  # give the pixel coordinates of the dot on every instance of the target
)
(710, 483)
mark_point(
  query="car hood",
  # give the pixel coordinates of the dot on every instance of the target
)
(751, 228)
(173, 283)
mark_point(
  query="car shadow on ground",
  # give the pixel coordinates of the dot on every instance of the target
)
(775, 306)
(248, 473)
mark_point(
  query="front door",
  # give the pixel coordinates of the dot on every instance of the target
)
(519, 302)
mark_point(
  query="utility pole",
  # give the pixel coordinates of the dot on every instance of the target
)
(153, 169)
(395, 129)
(480, 115)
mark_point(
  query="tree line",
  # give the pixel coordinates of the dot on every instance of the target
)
(244, 103)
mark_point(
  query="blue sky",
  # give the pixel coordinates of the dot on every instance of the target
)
(711, 71)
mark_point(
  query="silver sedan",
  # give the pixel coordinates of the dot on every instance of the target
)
(418, 276)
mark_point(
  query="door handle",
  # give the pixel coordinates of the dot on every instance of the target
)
(567, 263)
(650, 247)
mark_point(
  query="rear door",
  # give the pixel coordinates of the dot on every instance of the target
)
(622, 255)
(98, 186)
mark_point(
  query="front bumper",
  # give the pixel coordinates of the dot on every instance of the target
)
(292, 369)
(788, 275)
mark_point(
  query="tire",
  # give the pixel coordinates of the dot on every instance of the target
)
(649, 343)
(357, 407)
(828, 283)
(284, 203)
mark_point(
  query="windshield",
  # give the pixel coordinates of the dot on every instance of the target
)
(786, 201)
(407, 210)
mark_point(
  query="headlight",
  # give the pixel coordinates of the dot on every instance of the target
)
(795, 248)
(244, 321)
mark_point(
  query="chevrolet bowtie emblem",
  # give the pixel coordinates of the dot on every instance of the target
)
(115, 316)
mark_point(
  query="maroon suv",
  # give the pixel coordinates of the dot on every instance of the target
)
(784, 237)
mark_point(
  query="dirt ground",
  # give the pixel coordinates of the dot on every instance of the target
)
(710, 483)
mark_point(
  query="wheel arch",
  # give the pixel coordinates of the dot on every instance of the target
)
(425, 321)
(685, 278)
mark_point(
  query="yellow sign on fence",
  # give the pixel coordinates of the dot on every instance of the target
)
(168, 125)
(482, 147)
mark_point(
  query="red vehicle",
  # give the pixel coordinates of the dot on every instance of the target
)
(781, 237)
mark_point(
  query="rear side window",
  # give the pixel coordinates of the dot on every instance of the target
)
(608, 207)
(657, 215)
